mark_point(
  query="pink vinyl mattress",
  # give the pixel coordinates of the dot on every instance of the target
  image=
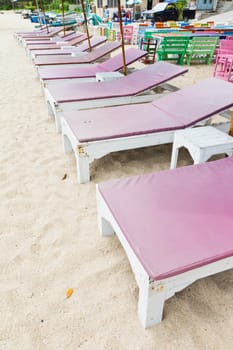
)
(175, 220)
(70, 72)
(177, 110)
(130, 85)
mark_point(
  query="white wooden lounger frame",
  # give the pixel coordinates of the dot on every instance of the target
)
(86, 152)
(152, 293)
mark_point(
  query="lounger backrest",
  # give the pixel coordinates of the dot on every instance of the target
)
(70, 35)
(147, 78)
(52, 31)
(78, 39)
(115, 63)
(102, 50)
(215, 96)
(97, 40)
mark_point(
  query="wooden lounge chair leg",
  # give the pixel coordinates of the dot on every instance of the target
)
(105, 227)
(57, 117)
(50, 110)
(66, 144)
(150, 304)
(175, 153)
(83, 168)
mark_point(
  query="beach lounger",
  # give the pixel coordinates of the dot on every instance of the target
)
(39, 31)
(134, 88)
(58, 39)
(54, 75)
(92, 134)
(90, 57)
(175, 227)
(73, 42)
(44, 31)
(45, 34)
(70, 50)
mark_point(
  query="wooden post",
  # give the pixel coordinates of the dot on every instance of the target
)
(38, 10)
(231, 125)
(63, 17)
(85, 22)
(43, 11)
(122, 37)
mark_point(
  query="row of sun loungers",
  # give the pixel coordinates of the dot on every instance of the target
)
(133, 88)
(175, 225)
(95, 133)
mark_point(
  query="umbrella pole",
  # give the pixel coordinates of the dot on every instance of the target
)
(39, 19)
(86, 26)
(122, 37)
(231, 124)
(43, 11)
(63, 17)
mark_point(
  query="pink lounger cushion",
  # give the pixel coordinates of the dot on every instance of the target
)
(113, 64)
(177, 110)
(212, 93)
(53, 73)
(129, 120)
(129, 85)
(175, 220)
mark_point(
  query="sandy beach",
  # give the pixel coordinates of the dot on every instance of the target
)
(49, 239)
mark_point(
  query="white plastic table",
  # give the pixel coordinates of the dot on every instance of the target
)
(202, 143)
(108, 76)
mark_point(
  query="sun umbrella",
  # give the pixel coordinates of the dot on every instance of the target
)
(63, 16)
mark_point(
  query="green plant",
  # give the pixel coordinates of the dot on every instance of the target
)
(77, 9)
(56, 6)
(181, 4)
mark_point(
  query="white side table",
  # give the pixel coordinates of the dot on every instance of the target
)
(108, 76)
(202, 143)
